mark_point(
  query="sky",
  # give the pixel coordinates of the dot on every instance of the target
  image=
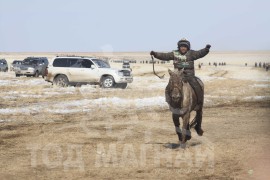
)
(132, 25)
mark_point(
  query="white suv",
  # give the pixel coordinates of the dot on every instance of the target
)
(65, 71)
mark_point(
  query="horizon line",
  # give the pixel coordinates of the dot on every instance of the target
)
(217, 51)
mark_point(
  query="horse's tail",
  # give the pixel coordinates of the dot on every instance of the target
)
(197, 119)
(193, 122)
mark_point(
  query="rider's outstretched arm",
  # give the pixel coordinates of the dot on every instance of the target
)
(201, 53)
(163, 56)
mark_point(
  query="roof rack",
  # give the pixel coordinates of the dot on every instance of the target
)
(35, 57)
(69, 55)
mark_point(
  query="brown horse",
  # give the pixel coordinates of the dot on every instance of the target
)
(183, 102)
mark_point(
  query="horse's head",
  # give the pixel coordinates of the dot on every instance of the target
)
(176, 85)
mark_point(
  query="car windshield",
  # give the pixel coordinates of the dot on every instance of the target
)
(16, 62)
(101, 63)
(29, 62)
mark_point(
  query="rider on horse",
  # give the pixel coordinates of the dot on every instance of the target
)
(183, 58)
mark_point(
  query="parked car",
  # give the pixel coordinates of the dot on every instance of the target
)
(15, 65)
(32, 66)
(65, 71)
(3, 65)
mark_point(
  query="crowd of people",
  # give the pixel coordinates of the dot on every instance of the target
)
(262, 65)
(214, 64)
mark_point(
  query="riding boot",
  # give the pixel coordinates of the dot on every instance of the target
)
(198, 127)
(196, 87)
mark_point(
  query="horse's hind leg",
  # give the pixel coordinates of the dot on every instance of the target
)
(198, 126)
(177, 124)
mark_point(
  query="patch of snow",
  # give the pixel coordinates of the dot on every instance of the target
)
(149, 102)
(4, 82)
(160, 85)
(15, 92)
(210, 78)
(65, 111)
(18, 82)
(261, 85)
(257, 98)
(9, 97)
(86, 105)
(37, 82)
(7, 111)
(31, 96)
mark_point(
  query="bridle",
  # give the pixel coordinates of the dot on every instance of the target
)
(180, 89)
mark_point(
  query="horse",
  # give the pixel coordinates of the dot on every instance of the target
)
(183, 102)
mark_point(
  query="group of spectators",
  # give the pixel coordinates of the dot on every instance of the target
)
(214, 64)
(262, 65)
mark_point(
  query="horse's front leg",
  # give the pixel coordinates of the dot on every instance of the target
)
(185, 128)
(176, 122)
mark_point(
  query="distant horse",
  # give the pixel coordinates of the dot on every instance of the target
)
(183, 102)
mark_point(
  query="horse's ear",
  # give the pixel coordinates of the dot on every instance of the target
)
(170, 72)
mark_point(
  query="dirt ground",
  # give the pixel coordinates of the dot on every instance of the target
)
(92, 133)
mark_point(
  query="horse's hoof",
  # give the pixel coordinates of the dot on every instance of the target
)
(180, 137)
(188, 138)
(199, 131)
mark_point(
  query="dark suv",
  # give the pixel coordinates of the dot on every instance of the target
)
(32, 66)
(3, 65)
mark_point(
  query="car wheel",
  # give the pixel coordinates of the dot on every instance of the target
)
(36, 74)
(61, 81)
(6, 70)
(107, 82)
(122, 85)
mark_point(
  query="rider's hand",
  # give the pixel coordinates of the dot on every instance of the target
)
(208, 46)
(152, 53)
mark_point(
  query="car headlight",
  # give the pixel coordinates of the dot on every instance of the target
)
(120, 73)
(30, 69)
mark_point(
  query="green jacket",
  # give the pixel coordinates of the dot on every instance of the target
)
(183, 61)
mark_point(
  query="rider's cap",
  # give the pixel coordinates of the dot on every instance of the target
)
(184, 42)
